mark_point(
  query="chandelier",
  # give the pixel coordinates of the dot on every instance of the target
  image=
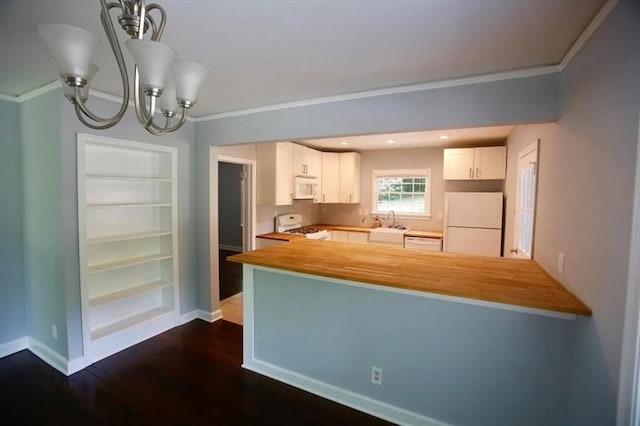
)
(160, 81)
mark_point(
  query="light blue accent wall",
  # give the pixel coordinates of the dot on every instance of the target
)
(129, 129)
(514, 101)
(44, 254)
(589, 205)
(457, 363)
(13, 320)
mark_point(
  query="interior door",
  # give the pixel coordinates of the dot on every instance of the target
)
(525, 202)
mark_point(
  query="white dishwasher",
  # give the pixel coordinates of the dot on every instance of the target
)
(423, 243)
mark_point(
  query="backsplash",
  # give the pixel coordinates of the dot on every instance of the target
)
(350, 214)
(265, 215)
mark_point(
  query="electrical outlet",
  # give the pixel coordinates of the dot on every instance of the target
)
(376, 375)
(54, 331)
(561, 263)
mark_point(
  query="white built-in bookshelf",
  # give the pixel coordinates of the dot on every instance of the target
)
(127, 222)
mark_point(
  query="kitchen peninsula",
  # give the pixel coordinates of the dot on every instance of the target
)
(458, 337)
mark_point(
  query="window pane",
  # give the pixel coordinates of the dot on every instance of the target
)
(402, 194)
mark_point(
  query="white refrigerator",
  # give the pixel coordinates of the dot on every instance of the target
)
(473, 223)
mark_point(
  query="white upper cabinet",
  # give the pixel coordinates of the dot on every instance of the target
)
(306, 161)
(349, 177)
(274, 164)
(485, 163)
(330, 187)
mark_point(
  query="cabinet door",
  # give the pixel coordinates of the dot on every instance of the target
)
(340, 236)
(314, 163)
(283, 173)
(330, 190)
(349, 177)
(490, 162)
(458, 164)
(299, 160)
(359, 237)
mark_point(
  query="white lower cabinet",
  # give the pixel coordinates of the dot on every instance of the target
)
(350, 236)
(127, 227)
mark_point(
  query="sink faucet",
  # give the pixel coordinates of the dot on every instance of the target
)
(393, 215)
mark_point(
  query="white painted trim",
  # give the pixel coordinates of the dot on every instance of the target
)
(8, 98)
(628, 410)
(14, 346)
(483, 78)
(230, 248)
(77, 364)
(587, 33)
(354, 400)
(188, 317)
(435, 296)
(209, 316)
(48, 355)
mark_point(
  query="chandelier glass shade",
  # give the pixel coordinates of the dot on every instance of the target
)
(159, 79)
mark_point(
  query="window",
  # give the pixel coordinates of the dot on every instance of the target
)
(406, 192)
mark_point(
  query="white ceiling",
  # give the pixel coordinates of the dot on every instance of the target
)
(265, 52)
(436, 138)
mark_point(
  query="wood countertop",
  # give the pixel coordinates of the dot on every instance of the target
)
(288, 237)
(518, 282)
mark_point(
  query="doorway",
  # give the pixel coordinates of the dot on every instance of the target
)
(526, 202)
(235, 229)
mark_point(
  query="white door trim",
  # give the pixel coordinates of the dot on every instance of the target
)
(628, 412)
(529, 149)
(249, 220)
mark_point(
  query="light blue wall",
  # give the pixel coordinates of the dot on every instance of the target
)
(588, 203)
(13, 320)
(129, 129)
(516, 101)
(457, 363)
(42, 220)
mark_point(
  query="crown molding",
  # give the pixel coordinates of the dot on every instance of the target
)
(587, 33)
(484, 78)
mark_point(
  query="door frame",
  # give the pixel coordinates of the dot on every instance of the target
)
(214, 267)
(248, 202)
(535, 146)
(628, 411)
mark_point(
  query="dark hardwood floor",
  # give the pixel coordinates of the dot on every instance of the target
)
(188, 375)
(230, 274)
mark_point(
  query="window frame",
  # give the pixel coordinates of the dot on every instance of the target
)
(426, 173)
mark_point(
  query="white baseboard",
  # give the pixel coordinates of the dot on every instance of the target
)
(14, 346)
(209, 316)
(188, 317)
(230, 248)
(342, 396)
(49, 356)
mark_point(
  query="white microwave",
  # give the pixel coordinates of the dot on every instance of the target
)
(305, 188)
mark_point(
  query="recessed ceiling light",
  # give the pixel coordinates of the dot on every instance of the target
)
(344, 143)
(391, 141)
(444, 137)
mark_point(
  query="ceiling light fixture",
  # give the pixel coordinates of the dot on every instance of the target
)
(444, 137)
(344, 143)
(391, 141)
(73, 48)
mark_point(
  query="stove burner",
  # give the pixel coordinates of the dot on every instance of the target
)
(303, 230)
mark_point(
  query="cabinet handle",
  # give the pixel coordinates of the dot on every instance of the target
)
(291, 195)
(470, 173)
(477, 172)
(323, 197)
(349, 197)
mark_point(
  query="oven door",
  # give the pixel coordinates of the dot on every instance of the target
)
(304, 188)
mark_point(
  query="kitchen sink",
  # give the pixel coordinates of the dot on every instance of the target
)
(387, 236)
